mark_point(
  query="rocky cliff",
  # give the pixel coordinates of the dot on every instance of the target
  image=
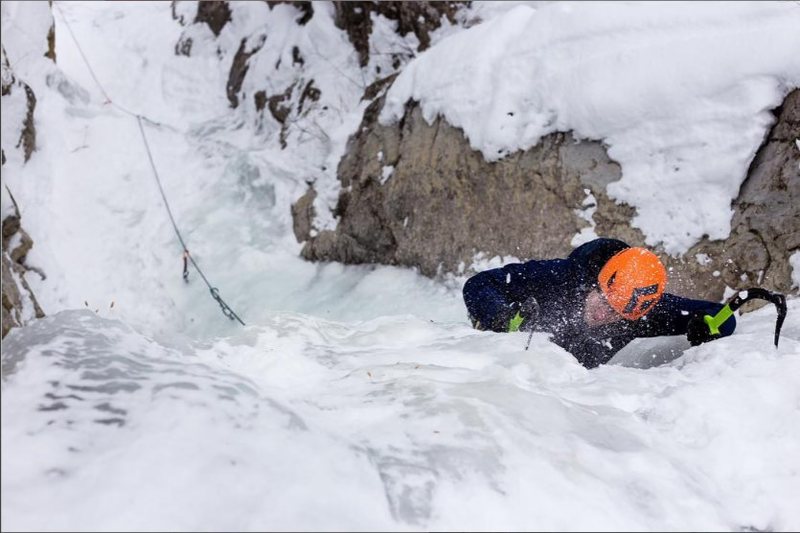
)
(19, 142)
(19, 302)
(416, 194)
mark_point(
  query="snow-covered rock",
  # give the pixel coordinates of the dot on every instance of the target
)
(28, 29)
(469, 126)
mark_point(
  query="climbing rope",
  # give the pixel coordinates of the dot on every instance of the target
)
(187, 257)
(226, 310)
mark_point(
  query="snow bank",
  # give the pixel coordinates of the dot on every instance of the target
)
(394, 423)
(680, 93)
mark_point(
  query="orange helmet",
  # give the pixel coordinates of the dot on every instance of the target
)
(633, 281)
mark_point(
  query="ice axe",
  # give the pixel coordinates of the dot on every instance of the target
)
(742, 297)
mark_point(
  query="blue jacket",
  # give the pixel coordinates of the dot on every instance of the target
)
(560, 287)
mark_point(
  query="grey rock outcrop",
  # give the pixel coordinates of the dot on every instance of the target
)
(19, 303)
(766, 224)
(416, 194)
(765, 228)
(239, 69)
(303, 215)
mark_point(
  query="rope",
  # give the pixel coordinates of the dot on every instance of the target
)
(226, 310)
(187, 257)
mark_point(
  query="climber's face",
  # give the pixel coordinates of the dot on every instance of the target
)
(597, 312)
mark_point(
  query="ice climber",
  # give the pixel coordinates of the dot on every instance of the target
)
(594, 302)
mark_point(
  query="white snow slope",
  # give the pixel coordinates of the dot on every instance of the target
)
(359, 398)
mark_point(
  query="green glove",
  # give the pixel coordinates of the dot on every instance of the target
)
(525, 317)
(515, 322)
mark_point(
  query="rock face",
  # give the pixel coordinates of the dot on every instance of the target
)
(416, 194)
(290, 92)
(19, 303)
(214, 13)
(419, 18)
(766, 224)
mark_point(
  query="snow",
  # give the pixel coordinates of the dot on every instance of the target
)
(702, 259)
(587, 213)
(14, 110)
(357, 397)
(481, 261)
(393, 422)
(25, 28)
(681, 96)
(794, 262)
(386, 173)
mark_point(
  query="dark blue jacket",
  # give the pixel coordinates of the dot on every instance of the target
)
(560, 287)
